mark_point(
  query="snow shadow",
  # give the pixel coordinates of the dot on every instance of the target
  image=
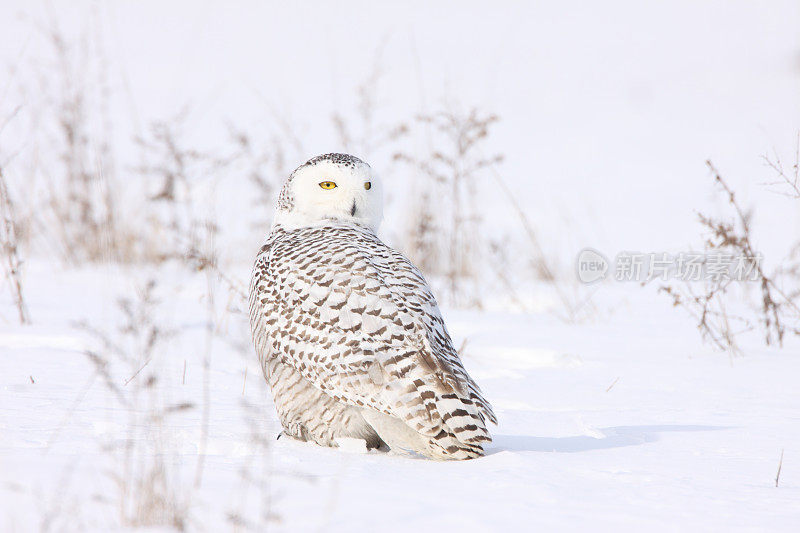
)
(613, 437)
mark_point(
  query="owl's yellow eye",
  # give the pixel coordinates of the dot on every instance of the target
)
(328, 185)
(368, 185)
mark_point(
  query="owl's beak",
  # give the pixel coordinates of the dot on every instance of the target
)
(353, 209)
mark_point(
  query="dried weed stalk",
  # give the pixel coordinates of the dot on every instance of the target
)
(778, 312)
(149, 491)
(573, 307)
(256, 475)
(82, 205)
(787, 179)
(444, 236)
(9, 241)
(182, 179)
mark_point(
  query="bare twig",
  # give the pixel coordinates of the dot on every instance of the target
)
(778, 314)
(101, 366)
(9, 244)
(209, 340)
(789, 178)
(539, 259)
(774, 300)
(137, 372)
(612, 385)
(780, 465)
(206, 263)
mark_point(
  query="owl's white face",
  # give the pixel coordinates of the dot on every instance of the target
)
(330, 189)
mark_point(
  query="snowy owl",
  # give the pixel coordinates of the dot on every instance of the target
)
(348, 333)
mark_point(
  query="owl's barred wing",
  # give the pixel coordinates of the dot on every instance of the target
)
(358, 321)
(411, 293)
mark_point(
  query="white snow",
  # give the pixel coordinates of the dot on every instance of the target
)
(684, 439)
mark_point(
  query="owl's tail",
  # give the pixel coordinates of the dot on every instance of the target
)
(447, 426)
(445, 445)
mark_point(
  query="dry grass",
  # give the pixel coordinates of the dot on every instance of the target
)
(82, 206)
(574, 306)
(445, 236)
(256, 476)
(149, 492)
(9, 242)
(168, 194)
(787, 182)
(778, 475)
(777, 314)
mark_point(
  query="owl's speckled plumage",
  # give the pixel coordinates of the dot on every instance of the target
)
(348, 333)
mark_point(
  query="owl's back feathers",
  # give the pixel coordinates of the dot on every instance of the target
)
(358, 324)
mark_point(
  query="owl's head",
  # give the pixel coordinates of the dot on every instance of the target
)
(331, 186)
